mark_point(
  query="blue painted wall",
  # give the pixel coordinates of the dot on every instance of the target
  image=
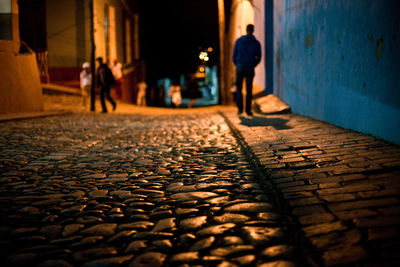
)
(339, 61)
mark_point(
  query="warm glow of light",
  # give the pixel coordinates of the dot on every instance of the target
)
(204, 56)
(210, 49)
(201, 69)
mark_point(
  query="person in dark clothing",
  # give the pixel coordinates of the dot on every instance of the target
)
(105, 80)
(161, 95)
(193, 90)
(246, 56)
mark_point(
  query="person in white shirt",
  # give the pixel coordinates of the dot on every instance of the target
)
(175, 94)
(141, 96)
(116, 70)
(86, 83)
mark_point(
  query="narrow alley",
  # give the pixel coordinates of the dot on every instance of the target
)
(226, 133)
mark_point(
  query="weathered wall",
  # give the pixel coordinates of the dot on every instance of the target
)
(100, 36)
(259, 33)
(338, 61)
(19, 83)
(20, 88)
(62, 33)
(68, 31)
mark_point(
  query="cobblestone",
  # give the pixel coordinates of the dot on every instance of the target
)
(195, 189)
(136, 190)
(342, 187)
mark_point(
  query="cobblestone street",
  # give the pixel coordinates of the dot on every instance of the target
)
(135, 190)
(195, 188)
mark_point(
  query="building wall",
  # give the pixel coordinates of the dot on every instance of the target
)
(19, 76)
(338, 61)
(100, 36)
(259, 33)
(62, 33)
(19, 83)
(68, 32)
(65, 39)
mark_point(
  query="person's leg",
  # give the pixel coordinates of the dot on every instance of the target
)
(138, 99)
(85, 95)
(191, 103)
(110, 99)
(103, 103)
(239, 83)
(249, 90)
(83, 98)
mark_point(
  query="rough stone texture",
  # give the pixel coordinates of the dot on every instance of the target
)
(131, 190)
(338, 184)
(184, 189)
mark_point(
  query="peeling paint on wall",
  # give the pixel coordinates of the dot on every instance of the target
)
(330, 62)
(309, 41)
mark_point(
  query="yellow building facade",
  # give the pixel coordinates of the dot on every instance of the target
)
(68, 27)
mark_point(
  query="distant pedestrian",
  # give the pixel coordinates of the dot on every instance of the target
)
(246, 56)
(86, 83)
(116, 69)
(141, 96)
(105, 80)
(175, 94)
(161, 95)
(193, 90)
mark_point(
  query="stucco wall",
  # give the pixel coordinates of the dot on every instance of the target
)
(259, 33)
(19, 83)
(20, 88)
(338, 61)
(62, 33)
(100, 30)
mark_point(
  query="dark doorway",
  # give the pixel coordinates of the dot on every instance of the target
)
(32, 28)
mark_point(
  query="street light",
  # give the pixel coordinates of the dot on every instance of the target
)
(204, 56)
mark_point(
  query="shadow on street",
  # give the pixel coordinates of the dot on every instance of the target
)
(255, 121)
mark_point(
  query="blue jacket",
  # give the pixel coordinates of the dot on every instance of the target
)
(247, 51)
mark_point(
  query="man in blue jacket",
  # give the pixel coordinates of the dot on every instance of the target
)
(246, 55)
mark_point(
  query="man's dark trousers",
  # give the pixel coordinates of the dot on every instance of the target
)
(241, 73)
(105, 92)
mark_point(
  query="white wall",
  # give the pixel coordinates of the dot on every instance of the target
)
(259, 33)
(243, 13)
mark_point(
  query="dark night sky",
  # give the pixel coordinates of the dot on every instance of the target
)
(171, 33)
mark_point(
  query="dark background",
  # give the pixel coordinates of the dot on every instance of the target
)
(172, 34)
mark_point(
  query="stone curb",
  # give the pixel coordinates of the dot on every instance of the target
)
(340, 186)
(30, 115)
(310, 256)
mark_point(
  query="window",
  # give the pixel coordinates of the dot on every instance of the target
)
(5, 20)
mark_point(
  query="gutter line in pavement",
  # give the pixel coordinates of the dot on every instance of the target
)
(310, 256)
